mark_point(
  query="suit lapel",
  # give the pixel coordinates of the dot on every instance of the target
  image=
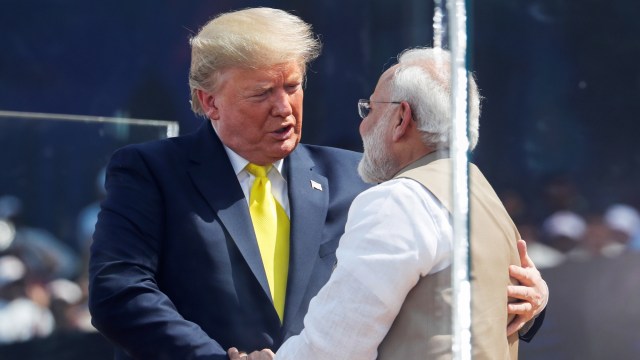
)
(309, 200)
(214, 177)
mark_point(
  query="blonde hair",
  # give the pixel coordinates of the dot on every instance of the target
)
(423, 79)
(250, 38)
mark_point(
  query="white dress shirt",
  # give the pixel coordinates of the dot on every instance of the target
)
(396, 233)
(275, 175)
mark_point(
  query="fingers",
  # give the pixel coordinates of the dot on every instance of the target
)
(516, 324)
(520, 292)
(528, 294)
(523, 275)
(525, 260)
(532, 287)
(264, 354)
(521, 308)
(269, 353)
(234, 354)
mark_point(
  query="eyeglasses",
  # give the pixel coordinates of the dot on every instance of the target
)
(364, 106)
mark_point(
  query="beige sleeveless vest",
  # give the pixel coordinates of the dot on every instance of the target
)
(422, 329)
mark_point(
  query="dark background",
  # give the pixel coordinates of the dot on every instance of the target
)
(559, 78)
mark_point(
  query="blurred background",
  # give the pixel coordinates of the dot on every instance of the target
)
(561, 88)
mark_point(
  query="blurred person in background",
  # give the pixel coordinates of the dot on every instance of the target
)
(624, 221)
(600, 238)
(45, 255)
(24, 312)
(68, 305)
(563, 230)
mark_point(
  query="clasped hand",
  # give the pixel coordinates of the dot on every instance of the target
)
(532, 291)
(264, 354)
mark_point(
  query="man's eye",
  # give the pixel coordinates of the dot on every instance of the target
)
(292, 88)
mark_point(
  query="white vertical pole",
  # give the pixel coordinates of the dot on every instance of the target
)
(459, 152)
(439, 24)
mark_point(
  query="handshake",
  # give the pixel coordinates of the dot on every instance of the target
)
(264, 354)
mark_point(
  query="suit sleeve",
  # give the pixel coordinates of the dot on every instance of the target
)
(125, 301)
(531, 332)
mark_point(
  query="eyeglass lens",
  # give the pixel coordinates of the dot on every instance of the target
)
(363, 108)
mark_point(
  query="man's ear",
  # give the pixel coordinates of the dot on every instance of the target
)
(404, 123)
(207, 101)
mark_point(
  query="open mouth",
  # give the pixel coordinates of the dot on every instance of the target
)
(284, 129)
(283, 133)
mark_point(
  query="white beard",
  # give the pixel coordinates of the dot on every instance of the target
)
(376, 165)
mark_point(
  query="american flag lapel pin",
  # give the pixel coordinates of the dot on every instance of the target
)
(315, 185)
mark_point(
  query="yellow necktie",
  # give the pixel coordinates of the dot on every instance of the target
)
(271, 225)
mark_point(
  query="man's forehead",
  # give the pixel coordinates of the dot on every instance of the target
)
(385, 78)
(388, 74)
(265, 74)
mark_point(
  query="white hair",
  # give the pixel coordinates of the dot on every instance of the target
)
(423, 79)
(250, 38)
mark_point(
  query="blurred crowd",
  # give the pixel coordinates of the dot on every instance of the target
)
(43, 280)
(569, 236)
(44, 283)
(588, 251)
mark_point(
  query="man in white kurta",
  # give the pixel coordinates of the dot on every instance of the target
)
(397, 232)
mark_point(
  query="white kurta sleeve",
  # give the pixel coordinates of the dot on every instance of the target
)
(396, 232)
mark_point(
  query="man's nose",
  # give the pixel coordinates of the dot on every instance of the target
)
(281, 104)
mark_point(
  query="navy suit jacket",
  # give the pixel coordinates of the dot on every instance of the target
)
(175, 270)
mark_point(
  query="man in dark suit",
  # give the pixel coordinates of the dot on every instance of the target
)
(175, 270)
(179, 267)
